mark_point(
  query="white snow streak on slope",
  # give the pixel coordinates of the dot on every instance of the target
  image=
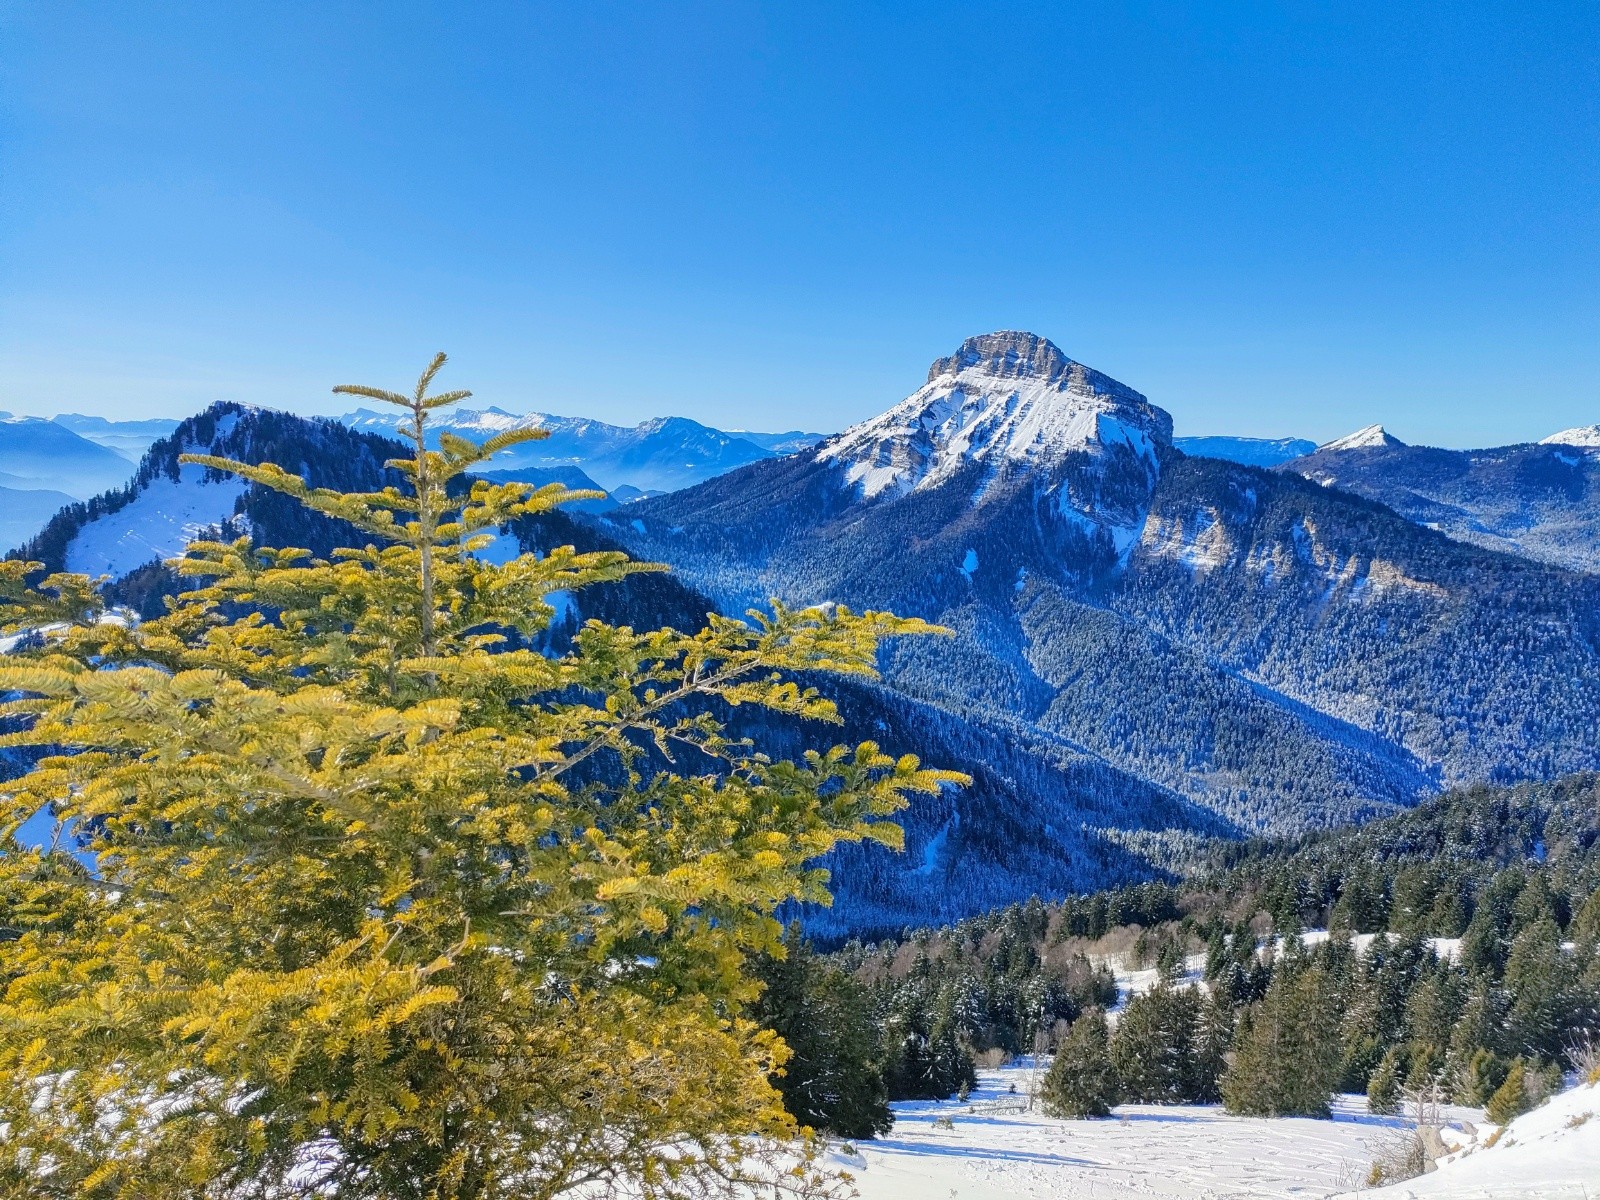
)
(1189, 1152)
(157, 524)
(1540, 1154)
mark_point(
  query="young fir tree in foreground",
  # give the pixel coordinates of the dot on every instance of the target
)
(1081, 1081)
(386, 905)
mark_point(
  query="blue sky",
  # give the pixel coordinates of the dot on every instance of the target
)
(1271, 218)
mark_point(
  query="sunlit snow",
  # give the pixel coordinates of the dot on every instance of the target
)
(991, 1148)
(156, 524)
(986, 404)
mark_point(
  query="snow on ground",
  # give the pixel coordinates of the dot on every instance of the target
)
(1196, 1152)
(1552, 1153)
(1131, 983)
(157, 524)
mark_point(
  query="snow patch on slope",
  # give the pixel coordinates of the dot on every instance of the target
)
(1551, 1152)
(156, 524)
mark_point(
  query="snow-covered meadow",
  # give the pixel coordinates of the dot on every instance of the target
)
(978, 1151)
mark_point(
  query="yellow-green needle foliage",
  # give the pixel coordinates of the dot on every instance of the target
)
(386, 904)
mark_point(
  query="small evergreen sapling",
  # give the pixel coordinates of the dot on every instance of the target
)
(1383, 1090)
(1510, 1099)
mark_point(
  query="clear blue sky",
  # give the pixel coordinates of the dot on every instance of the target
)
(1287, 218)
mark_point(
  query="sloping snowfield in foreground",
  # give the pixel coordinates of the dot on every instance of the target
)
(1140, 1151)
(1553, 1151)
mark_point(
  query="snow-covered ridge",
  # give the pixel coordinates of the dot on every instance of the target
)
(162, 518)
(457, 420)
(1002, 398)
(1371, 437)
(1582, 435)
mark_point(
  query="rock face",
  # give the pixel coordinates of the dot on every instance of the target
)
(1279, 654)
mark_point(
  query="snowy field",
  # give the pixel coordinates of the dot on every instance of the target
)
(1140, 1151)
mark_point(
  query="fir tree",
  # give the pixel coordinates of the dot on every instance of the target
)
(1286, 1054)
(1481, 1078)
(1510, 1099)
(387, 905)
(1156, 1047)
(833, 1078)
(1538, 976)
(925, 1058)
(1585, 930)
(1383, 1090)
(1081, 1081)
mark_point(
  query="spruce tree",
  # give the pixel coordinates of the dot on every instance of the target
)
(383, 905)
(1286, 1053)
(1081, 1081)
(1383, 1090)
(1510, 1099)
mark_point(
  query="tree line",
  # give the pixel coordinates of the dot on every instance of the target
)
(1463, 954)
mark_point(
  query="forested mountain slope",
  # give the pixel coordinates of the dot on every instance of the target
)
(1286, 655)
(1149, 651)
(1539, 500)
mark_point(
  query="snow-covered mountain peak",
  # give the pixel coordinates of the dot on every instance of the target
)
(1370, 438)
(1583, 435)
(1003, 398)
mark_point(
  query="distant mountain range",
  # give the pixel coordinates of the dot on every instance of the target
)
(45, 464)
(128, 438)
(36, 454)
(659, 455)
(1252, 452)
(1279, 654)
(1541, 500)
